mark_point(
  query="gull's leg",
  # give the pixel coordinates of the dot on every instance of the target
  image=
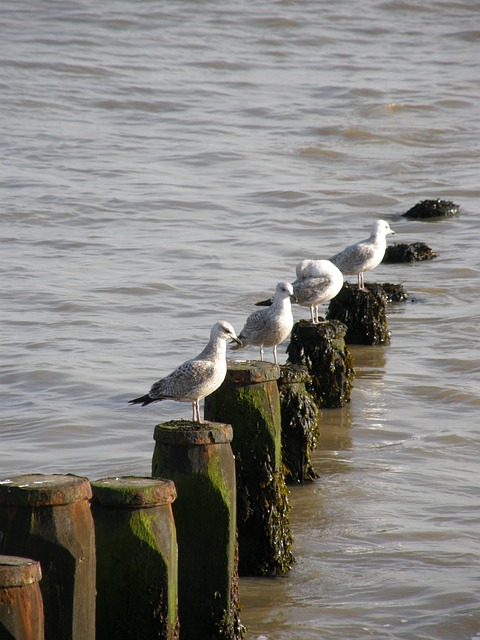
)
(317, 320)
(261, 352)
(275, 359)
(312, 314)
(361, 283)
(196, 411)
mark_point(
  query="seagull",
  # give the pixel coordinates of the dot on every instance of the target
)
(364, 255)
(269, 327)
(198, 377)
(318, 281)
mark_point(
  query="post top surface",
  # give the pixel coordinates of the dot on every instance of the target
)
(251, 371)
(185, 432)
(38, 489)
(16, 571)
(133, 491)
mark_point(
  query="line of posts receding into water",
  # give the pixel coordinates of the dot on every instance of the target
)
(160, 557)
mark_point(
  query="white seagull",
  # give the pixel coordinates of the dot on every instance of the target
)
(198, 377)
(364, 255)
(318, 281)
(269, 327)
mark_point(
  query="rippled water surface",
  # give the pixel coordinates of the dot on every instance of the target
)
(163, 165)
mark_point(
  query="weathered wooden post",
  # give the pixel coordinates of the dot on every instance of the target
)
(199, 459)
(249, 400)
(137, 558)
(48, 518)
(300, 429)
(321, 348)
(362, 312)
(21, 605)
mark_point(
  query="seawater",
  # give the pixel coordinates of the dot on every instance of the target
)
(164, 165)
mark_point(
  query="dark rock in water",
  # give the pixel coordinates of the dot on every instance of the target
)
(432, 209)
(402, 252)
(363, 312)
(300, 430)
(321, 348)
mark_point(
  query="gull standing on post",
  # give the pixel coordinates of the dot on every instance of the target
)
(318, 281)
(364, 255)
(198, 377)
(269, 327)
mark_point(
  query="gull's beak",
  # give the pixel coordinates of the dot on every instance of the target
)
(293, 298)
(236, 340)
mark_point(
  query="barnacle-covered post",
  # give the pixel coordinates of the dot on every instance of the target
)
(48, 518)
(249, 400)
(137, 566)
(363, 312)
(321, 349)
(300, 429)
(21, 604)
(199, 459)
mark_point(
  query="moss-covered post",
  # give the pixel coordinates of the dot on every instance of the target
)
(249, 400)
(21, 604)
(321, 349)
(199, 459)
(300, 429)
(137, 558)
(48, 518)
(362, 312)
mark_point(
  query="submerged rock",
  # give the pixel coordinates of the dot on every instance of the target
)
(432, 209)
(402, 252)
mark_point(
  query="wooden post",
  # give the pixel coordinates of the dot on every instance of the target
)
(21, 605)
(362, 312)
(321, 348)
(300, 429)
(48, 518)
(249, 400)
(199, 459)
(137, 558)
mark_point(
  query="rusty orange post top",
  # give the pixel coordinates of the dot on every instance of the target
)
(38, 489)
(17, 572)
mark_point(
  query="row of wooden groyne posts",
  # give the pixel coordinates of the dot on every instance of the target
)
(159, 557)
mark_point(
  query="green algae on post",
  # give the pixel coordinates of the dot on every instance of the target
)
(249, 400)
(199, 459)
(137, 560)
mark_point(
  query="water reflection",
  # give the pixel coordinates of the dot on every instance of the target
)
(367, 410)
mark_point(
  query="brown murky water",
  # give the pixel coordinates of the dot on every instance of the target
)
(164, 164)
